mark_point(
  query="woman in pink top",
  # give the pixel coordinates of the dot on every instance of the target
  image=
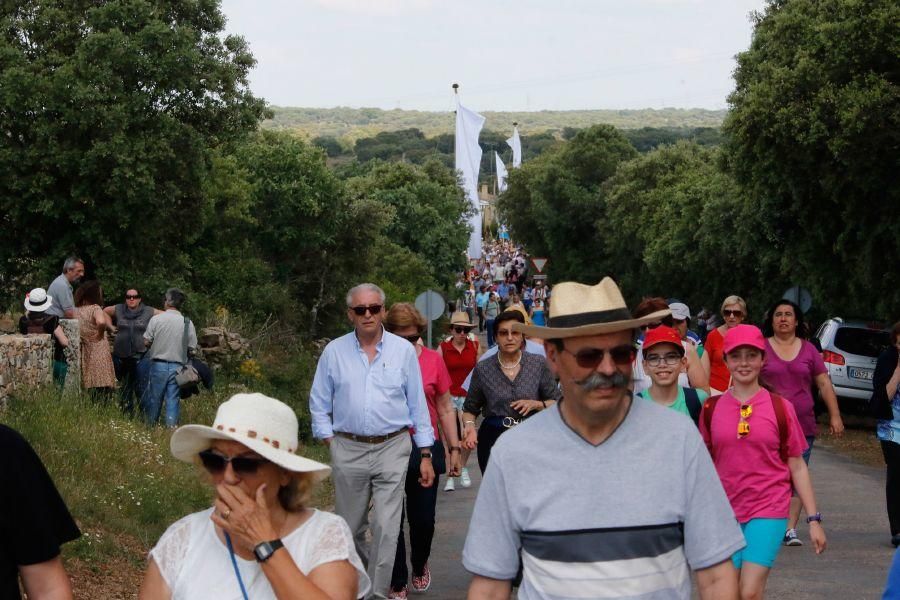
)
(792, 366)
(404, 320)
(742, 430)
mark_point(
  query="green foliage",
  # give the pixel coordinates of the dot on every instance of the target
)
(108, 114)
(814, 131)
(357, 123)
(553, 202)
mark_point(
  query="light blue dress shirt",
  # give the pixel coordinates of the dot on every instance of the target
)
(351, 395)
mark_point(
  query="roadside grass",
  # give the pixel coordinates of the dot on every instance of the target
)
(118, 477)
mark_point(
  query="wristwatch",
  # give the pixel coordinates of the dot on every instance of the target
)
(816, 517)
(265, 550)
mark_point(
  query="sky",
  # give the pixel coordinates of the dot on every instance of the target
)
(505, 54)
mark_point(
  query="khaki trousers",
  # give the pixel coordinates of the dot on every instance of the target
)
(362, 472)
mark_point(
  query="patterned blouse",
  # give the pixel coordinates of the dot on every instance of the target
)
(491, 391)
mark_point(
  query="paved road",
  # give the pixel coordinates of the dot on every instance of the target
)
(854, 567)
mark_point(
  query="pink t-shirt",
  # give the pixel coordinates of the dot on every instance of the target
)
(793, 380)
(436, 381)
(757, 482)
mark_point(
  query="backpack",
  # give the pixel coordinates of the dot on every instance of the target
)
(780, 417)
(692, 399)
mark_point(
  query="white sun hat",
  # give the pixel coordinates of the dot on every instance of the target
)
(37, 300)
(265, 425)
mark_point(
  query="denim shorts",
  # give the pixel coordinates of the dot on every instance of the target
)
(458, 401)
(763, 537)
(809, 444)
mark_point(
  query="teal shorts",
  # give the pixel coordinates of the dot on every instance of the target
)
(763, 537)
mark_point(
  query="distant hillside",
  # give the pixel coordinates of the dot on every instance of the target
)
(354, 123)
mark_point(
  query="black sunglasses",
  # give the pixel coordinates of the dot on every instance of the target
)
(412, 339)
(589, 358)
(132, 296)
(372, 308)
(732, 313)
(460, 330)
(242, 465)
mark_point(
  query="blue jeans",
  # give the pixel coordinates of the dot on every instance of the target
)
(489, 325)
(161, 388)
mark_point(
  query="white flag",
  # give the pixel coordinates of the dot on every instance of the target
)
(468, 163)
(502, 174)
(516, 144)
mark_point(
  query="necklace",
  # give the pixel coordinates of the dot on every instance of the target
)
(510, 367)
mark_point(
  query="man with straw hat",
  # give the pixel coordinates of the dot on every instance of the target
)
(600, 496)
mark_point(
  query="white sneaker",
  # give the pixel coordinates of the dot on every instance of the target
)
(449, 487)
(464, 478)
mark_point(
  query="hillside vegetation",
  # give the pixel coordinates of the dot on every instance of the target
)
(356, 123)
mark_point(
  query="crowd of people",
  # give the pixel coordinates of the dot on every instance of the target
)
(622, 453)
(150, 346)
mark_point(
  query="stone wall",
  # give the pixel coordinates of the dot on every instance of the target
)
(25, 360)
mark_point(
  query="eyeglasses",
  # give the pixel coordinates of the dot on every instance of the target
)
(374, 309)
(743, 426)
(242, 465)
(671, 359)
(589, 358)
(132, 296)
(412, 339)
(460, 330)
(732, 313)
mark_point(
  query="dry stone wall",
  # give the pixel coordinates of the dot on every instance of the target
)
(27, 360)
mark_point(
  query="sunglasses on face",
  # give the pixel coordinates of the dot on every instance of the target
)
(374, 309)
(650, 326)
(589, 358)
(412, 339)
(671, 359)
(508, 333)
(132, 296)
(732, 313)
(460, 330)
(215, 463)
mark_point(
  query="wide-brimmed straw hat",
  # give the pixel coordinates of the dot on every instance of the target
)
(577, 309)
(37, 300)
(265, 425)
(460, 319)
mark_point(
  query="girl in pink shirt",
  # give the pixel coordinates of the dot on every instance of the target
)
(743, 435)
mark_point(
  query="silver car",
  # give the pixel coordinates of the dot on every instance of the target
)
(850, 350)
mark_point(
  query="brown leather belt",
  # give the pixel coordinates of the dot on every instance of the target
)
(371, 439)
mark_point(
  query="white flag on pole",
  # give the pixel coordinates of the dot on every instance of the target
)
(468, 163)
(502, 174)
(515, 142)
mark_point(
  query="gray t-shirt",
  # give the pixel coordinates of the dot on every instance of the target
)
(61, 292)
(626, 519)
(165, 332)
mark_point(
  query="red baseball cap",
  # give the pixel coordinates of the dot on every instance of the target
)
(662, 335)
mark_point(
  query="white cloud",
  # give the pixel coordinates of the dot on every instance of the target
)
(376, 7)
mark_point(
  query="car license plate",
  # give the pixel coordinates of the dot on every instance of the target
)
(864, 374)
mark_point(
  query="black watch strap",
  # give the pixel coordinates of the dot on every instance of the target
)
(265, 550)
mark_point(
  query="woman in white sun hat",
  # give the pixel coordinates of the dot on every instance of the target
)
(259, 540)
(37, 320)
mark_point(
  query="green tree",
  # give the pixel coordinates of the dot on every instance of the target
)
(429, 213)
(108, 114)
(814, 132)
(553, 201)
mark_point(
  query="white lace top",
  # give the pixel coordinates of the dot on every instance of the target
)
(196, 564)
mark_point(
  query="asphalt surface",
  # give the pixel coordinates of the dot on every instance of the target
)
(850, 496)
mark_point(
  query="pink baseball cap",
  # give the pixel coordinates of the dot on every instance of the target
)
(744, 335)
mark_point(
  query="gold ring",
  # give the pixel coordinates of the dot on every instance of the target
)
(225, 514)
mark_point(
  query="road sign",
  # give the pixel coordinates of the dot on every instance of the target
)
(799, 296)
(431, 305)
(539, 263)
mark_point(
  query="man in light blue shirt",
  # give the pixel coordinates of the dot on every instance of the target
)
(366, 396)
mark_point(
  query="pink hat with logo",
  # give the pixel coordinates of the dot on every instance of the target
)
(744, 335)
